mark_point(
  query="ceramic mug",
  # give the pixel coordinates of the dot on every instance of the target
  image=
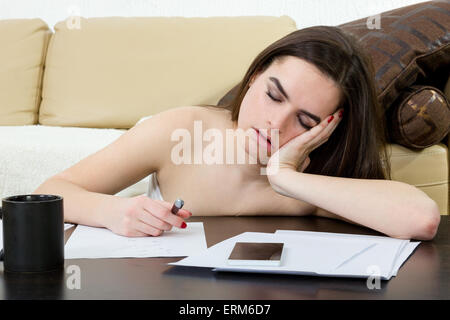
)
(33, 233)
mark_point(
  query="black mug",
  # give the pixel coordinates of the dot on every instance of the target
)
(33, 233)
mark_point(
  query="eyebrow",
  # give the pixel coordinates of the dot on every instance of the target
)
(281, 89)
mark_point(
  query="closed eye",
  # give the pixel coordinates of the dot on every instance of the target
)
(302, 123)
(270, 96)
(299, 116)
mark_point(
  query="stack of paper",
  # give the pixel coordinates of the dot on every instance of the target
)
(315, 253)
(90, 242)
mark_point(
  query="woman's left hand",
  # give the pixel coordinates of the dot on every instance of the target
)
(294, 155)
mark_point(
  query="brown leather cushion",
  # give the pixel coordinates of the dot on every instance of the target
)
(421, 118)
(411, 47)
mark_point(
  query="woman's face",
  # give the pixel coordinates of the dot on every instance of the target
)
(291, 95)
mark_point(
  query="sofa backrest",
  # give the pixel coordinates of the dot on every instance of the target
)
(22, 54)
(110, 72)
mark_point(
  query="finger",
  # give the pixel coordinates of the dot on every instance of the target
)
(337, 117)
(147, 230)
(307, 138)
(135, 233)
(329, 124)
(306, 142)
(324, 127)
(183, 213)
(147, 218)
(163, 213)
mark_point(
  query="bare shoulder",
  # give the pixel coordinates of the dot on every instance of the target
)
(184, 118)
(169, 118)
(205, 113)
(185, 115)
(162, 129)
(141, 150)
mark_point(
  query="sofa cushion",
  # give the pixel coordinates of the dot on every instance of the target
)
(427, 169)
(411, 47)
(112, 71)
(421, 118)
(23, 43)
(38, 152)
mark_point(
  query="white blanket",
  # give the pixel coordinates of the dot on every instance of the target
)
(31, 154)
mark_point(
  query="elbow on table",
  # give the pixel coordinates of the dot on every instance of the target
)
(426, 221)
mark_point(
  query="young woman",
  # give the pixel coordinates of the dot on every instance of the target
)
(315, 88)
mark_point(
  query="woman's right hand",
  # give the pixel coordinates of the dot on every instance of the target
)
(142, 216)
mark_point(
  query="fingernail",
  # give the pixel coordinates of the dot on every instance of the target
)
(183, 225)
(340, 113)
(330, 119)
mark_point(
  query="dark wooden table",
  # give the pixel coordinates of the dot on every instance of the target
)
(425, 275)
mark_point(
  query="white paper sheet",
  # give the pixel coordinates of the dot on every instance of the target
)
(308, 255)
(89, 242)
(68, 226)
(385, 257)
(316, 253)
(404, 255)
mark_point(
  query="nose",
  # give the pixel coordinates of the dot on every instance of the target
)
(279, 120)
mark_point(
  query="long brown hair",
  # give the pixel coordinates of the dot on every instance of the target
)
(357, 147)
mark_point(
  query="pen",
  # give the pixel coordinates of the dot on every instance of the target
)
(177, 205)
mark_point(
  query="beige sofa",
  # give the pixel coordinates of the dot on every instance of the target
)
(98, 77)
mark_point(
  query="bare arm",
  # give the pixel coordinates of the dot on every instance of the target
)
(391, 207)
(80, 205)
(88, 187)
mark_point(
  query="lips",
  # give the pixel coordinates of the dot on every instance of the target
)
(264, 137)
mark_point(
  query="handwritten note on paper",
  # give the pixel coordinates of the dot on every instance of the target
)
(90, 243)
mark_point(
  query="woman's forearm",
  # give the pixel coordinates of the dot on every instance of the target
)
(391, 207)
(81, 206)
